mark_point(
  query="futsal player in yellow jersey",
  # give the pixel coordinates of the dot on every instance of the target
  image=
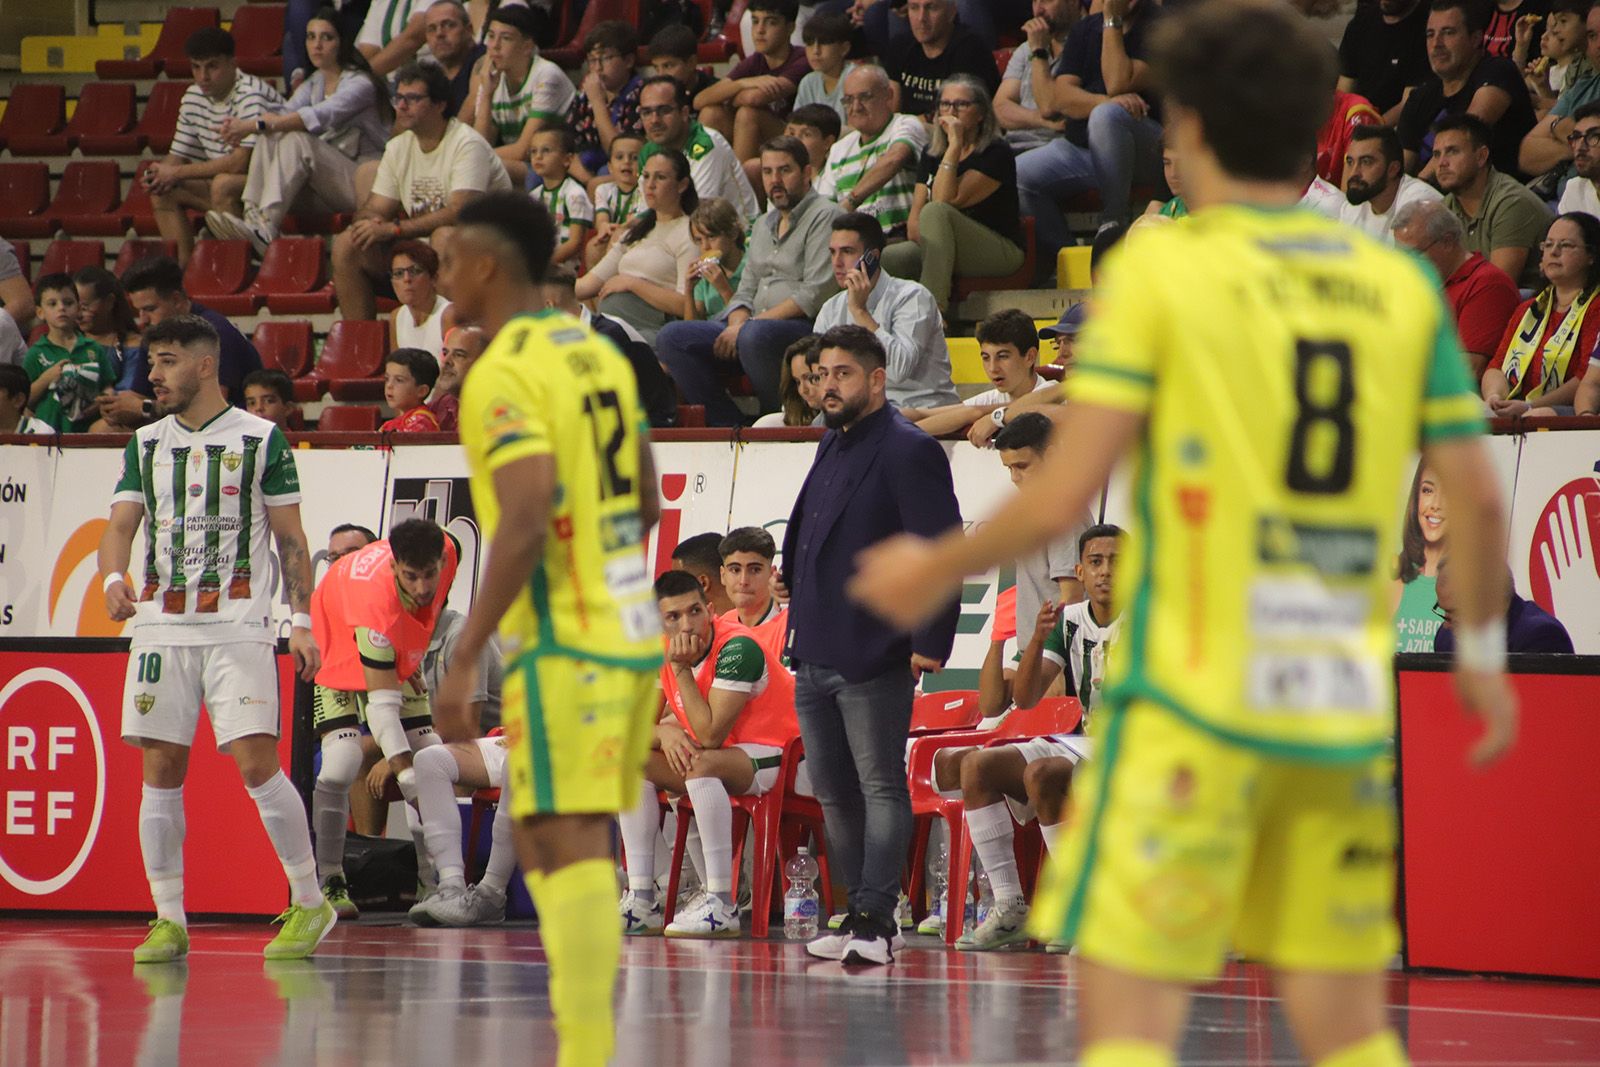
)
(563, 483)
(1270, 372)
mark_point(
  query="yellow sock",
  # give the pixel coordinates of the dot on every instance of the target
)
(582, 941)
(1382, 1049)
(1125, 1052)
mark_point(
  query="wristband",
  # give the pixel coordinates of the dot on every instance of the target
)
(1040, 53)
(300, 621)
(1482, 647)
(261, 125)
(111, 580)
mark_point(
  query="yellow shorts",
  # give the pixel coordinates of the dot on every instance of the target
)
(1181, 845)
(577, 734)
(334, 709)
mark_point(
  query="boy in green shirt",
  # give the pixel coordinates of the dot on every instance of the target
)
(67, 369)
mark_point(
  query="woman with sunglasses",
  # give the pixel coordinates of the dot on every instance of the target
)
(424, 317)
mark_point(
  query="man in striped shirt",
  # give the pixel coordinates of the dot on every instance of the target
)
(872, 168)
(202, 171)
(518, 93)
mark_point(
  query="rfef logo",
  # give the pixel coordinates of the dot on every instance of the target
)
(54, 783)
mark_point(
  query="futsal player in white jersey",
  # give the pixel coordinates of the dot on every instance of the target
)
(208, 482)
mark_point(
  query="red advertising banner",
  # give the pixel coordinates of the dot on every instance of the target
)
(1500, 865)
(69, 798)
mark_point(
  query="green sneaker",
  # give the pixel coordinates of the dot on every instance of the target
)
(167, 942)
(338, 894)
(303, 930)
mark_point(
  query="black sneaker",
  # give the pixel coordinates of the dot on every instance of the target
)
(874, 940)
(831, 944)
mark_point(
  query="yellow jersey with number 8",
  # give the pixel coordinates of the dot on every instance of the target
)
(1287, 367)
(549, 386)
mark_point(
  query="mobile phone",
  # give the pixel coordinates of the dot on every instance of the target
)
(869, 262)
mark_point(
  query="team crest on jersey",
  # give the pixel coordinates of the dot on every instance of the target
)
(195, 490)
(144, 702)
(231, 460)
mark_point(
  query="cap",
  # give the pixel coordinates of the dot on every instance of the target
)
(1071, 322)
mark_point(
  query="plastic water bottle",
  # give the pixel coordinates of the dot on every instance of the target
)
(985, 899)
(938, 879)
(800, 906)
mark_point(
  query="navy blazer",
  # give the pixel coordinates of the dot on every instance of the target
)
(883, 477)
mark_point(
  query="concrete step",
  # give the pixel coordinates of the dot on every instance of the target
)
(1038, 303)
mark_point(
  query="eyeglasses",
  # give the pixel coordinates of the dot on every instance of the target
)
(411, 99)
(400, 274)
(1559, 246)
(660, 112)
(858, 100)
(956, 106)
(1591, 138)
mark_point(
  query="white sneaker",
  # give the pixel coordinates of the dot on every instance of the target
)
(709, 919)
(469, 908)
(1004, 925)
(641, 918)
(932, 924)
(832, 945)
(873, 942)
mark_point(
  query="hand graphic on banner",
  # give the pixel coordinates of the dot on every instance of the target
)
(1568, 557)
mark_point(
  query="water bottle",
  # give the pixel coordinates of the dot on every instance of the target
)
(985, 899)
(800, 907)
(938, 878)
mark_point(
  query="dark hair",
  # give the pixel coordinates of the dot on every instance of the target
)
(1473, 13)
(182, 330)
(103, 284)
(432, 77)
(351, 59)
(1095, 533)
(1028, 429)
(748, 539)
(568, 136)
(1412, 547)
(678, 583)
(275, 380)
(209, 42)
(160, 273)
(640, 227)
(517, 17)
(417, 542)
(1590, 228)
(1579, 8)
(14, 382)
(828, 27)
(680, 91)
(700, 554)
(1107, 237)
(819, 117)
(1009, 327)
(51, 283)
(1587, 111)
(796, 412)
(676, 40)
(865, 226)
(520, 221)
(350, 527)
(862, 344)
(1388, 139)
(1477, 131)
(613, 33)
(792, 147)
(789, 10)
(1257, 75)
(424, 366)
(418, 252)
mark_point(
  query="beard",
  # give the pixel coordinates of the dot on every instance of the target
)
(1359, 192)
(849, 411)
(179, 397)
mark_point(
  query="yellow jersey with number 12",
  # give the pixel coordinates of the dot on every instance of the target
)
(1288, 367)
(549, 386)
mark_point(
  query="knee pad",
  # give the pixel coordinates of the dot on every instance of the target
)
(436, 761)
(341, 758)
(421, 737)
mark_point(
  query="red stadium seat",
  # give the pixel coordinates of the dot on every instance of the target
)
(954, 709)
(159, 120)
(1002, 57)
(135, 249)
(571, 53)
(73, 256)
(105, 115)
(219, 269)
(348, 418)
(1021, 278)
(24, 253)
(352, 359)
(24, 196)
(258, 31)
(35, 121)
(167, 55)
(88, 189)
(284, 346)
(292, 281)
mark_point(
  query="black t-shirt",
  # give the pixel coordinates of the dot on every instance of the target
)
(461, 84)
(1428, 104)
(1080, 56)
(1384, 58)
(999, 210)
(920, 77)
(1501, 36)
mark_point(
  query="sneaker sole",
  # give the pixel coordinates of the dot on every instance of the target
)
(160, 959)
(326, 930)
(814, 954)
(856, 959)
(715, 935)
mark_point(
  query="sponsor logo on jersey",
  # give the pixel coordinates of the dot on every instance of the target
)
(250, 702)
(144, 702)
(231, 490)
(195, 490)
(231, 460)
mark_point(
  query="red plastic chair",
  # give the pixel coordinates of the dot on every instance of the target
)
(24, 197)
(72, 256)
(35, 121)
(284, 346)
(258, 32)
(218, 269)
(88, 189)
(24, 253)
(348, 418)
(1021, 278)
(134, 249)
(571, 53)
(1002, 59)
(167, 55)
(955, 709)
(351, 365)
(1057, 715)
(292, 280)
(135, 210)
(157, 123)
(105, 116)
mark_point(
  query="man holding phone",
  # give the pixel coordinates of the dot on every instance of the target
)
(902, 314)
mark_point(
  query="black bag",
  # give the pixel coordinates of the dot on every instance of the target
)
(381, 872)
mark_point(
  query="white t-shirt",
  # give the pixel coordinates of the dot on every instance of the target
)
(1579, 195)
(718, 173)
(423, 181)
(207, 573)
(1361, 216)
(1324, 197)
(429, 336)
(386, 20)
(996, 396)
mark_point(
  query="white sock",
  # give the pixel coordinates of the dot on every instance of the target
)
(437, 772)
(425, 872)
(1050, 832)
(992, 834)
(502, 854)
(330, 799)
(161, 830)
(714, 815)
(638, 825)
(695, 850)
(284, 815)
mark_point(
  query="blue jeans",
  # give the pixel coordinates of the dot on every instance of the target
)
(1122, 149)
(855, 736)
(685, 347)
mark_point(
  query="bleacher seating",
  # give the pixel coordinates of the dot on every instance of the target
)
(349, 418)
(167, 56)
(24, 253)
(36, 115)
(106, 110)
(136, 248)
(258, 33)
(571, 53)
(292, 280)
(285, 346)
(351, 365)
(89, 188)
(217, 270)
(24, 196)
(73, 256)
(154, 128)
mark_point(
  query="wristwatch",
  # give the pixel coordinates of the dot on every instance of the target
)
(1113, 23)
(1040, 53)
(999, 416)
(261, 125)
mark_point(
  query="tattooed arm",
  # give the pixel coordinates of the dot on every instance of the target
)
(296, 558)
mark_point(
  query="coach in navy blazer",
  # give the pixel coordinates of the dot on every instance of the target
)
(874, 475)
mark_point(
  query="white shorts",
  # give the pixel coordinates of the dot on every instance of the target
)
(1072, 747)
(493, 751)
(766, 759)
(166, 684)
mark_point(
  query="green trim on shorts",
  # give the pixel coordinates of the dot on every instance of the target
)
(765, 763)
(1108, 762)
(544, 789)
